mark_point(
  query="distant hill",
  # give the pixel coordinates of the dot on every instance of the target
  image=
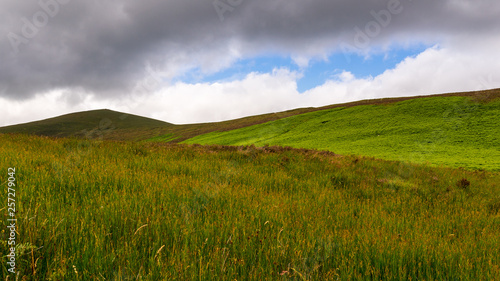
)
(458, 130)
(95, 123)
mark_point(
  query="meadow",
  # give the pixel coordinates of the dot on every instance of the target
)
(453, 131)
(106, 210)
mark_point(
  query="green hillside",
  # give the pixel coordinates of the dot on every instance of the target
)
(179, 133)
(457, 131)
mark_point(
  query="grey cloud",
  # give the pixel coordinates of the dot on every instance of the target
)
(103, 46)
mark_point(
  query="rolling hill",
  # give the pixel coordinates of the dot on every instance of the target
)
(452, 130)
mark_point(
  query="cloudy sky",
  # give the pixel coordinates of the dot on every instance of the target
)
(186, 61)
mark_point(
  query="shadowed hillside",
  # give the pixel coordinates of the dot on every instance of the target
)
(105, 123)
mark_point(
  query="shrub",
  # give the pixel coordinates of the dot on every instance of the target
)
(463, 183)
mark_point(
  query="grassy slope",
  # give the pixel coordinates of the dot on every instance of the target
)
(184, 132)
(149, 211)
(445, 130)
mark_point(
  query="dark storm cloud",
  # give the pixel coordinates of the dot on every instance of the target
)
(104, 46)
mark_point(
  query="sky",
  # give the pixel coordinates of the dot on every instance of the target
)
(194, 61)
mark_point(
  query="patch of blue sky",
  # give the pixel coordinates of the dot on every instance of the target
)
(240, 69)
(320, 71)
(316, 73)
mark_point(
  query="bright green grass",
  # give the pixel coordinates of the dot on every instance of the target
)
(143, 211)
(450, 131)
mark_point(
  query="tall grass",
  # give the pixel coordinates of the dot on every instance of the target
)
(130, 211)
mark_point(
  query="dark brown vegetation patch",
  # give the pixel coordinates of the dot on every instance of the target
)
(463, 183)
